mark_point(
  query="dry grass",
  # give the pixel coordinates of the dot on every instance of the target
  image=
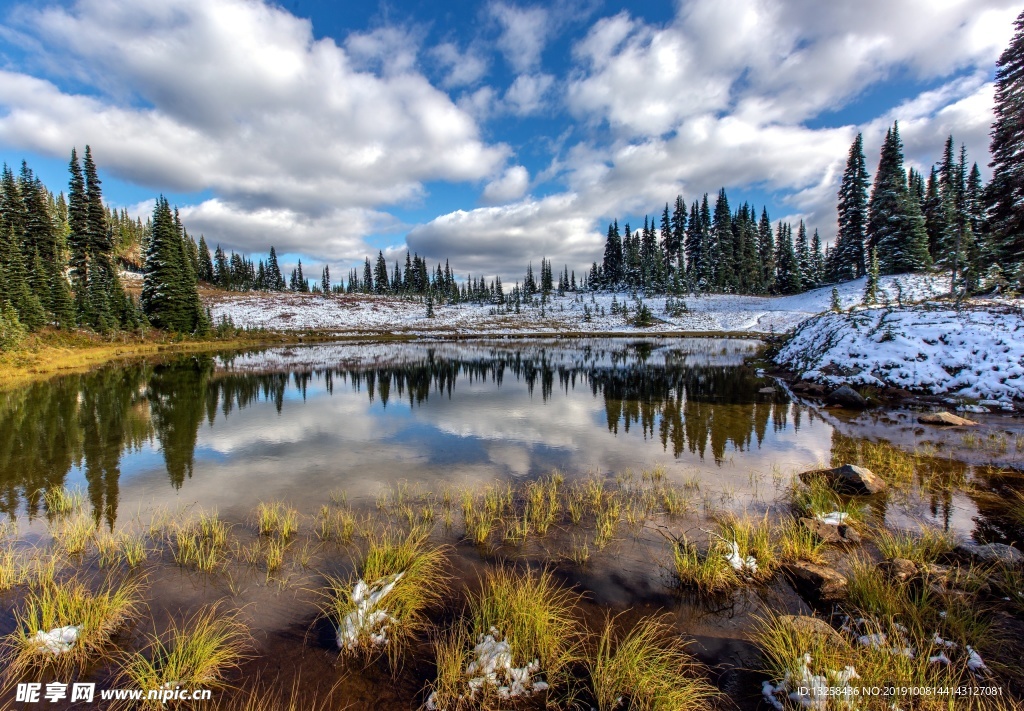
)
(417, 571)
(196, 655)
(648, 669)
(98, 614)
(923, 546)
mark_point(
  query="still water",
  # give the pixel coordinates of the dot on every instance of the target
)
(229, 430)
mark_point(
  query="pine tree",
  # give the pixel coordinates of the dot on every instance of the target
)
(18, 292)
(788, 276)
(766, 250)
(325, 281)
(895, 224)
(1005, 195)
(380, 274)
(836, 304)
(871, 284)
(205, 272)
(78, 237)
(803, 256)
(169, 296)
(274, 276)
(848, 259)
(612, 265)
(721, 252)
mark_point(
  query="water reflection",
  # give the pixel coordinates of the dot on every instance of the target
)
(228, 430)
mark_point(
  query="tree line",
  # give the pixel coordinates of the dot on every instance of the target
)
(60, 260)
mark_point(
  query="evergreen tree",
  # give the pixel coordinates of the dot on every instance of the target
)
(169, 296)
(612, 265)
(895, 224)
(721, 252)
(803, 256)
(848, 259)
(17, 290)
(1005, 196)
(274, 277)
(205, 272)
(380, 274)
(871, 284)
(817, 261)
(325, 281)
(788, 275)
(766, 250)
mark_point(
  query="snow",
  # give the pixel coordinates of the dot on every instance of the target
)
(836, 518)
(56, 641)
(975, 352)
(366, 619)
(491, 666)
(813, 691)
(371, 314)
(738, 563)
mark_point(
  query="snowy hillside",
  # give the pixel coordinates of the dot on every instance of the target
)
(977, 351)
(360, 313)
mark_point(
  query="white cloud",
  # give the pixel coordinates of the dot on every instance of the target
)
(511, 185)
(524, 34)
(463, 68)
(236, 97)
(527, 93)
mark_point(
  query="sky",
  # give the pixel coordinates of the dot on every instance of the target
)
(487, 133)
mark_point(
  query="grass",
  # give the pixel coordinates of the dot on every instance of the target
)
(100, 614)
(198, 654)
(11, 571)
(796, 543)
(924, 546)
(201, 542)
(73, 533)
(648, 669)
(277, 519)
(61, 501)
(421, 586)
(532, 613)
(708, 572)
(274, 554)
(816, 498)
(754, 539)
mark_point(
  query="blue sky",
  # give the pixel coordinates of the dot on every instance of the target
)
(489, 133)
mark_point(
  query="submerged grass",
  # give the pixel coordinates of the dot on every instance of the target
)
(198, 654)
(707, 571)
(201, 542)
(648, 669)
(277, 519)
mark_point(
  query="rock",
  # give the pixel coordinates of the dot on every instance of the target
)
(899, 569)
(990, 553)
(816, 583)
(809, 388)
(831, 533)
(847, 397)
(849, 479)
(944, 419)
(806, 626)
(767, 391)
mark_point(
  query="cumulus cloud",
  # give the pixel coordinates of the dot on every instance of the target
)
(461, 68)
(722, 96)
(510, 186)
(527, 93)
(524, 34)
(237, 97)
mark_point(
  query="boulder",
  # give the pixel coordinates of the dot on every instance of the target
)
(831, 533)
(849, 479)
(944, 419)
(816, 583)
(806, 626)
(990, 553)
(898, 569)
(846, 396)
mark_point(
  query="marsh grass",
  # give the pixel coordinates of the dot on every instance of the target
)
(72, 533)
(452, 656)
(201, 542)
(61, 501)
(817, 498)
(796, 543)
(754, 538)
(71, 603)
(422, 586)
(274, 551)
(708, 572)
(534, 614)
(648, 669)
(199, 654)
(924, 546)
(277, 519)
(12, 572)
(335, 524)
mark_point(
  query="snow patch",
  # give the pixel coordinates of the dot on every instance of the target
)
(56, 641)
(366, 619)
